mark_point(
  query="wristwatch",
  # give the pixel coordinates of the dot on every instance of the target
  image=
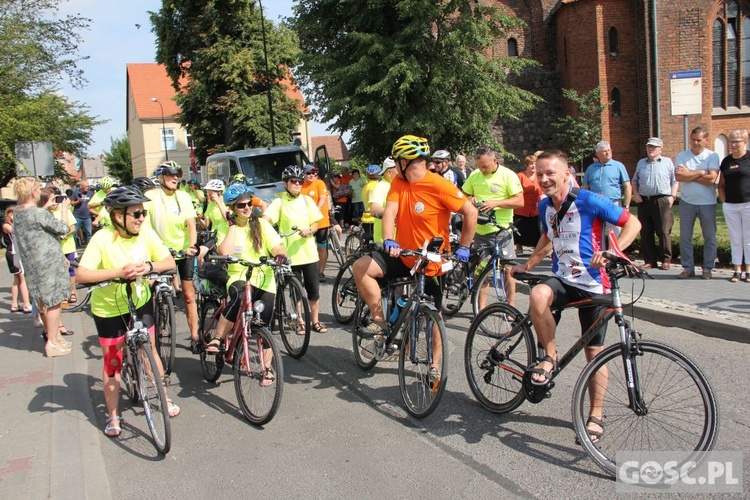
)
(150, 267)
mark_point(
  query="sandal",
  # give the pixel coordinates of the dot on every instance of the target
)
(301, 330)
(547, 374)
(14, 309)
(174, 410)
(595, 436)
(73, 298)
(319, 328)
(215, 347)
(268, 378)
(66, 331)
(113, 429)
(27, 310)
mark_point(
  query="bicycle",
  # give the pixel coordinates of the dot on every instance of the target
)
(334, 244)
(423, 331)
(258, 383)
(344, 294)
(140, 375)
(164, 320)
(655, 399)
(291, 310)
(483, 277)
(355, 240)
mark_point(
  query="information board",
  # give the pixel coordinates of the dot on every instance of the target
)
(686, 92)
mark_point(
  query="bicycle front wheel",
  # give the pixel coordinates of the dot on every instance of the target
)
(211, 364)
(166, 339)
(345, 295)
(423, 362)
(680, 411)
(489, 288)
(293, 317)
(335, 243)
(494, 363)
(154, 398)
(258, 376)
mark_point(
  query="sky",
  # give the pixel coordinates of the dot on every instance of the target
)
(115, 40)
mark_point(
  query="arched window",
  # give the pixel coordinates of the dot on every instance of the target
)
(731, 56)
(614, 44)
(720, 146)
(512, 47)
(616, 102)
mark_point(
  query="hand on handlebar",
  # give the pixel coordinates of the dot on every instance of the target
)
(462, 254)
(132, 270)
(520, 268)
(392, 248)
(281, 259)
(598, 260)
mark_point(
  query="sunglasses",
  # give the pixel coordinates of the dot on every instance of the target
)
(243, 204)
(311, 173)
(137, 214)
(296, 181)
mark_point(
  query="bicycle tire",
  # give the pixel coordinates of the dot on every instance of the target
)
(258, 403)
(352, 244)
(494, 293)
(128, 378)
(669, 383)
(80, 304)
(455, 290)
(495, 367)
(335, 244)
(290, 301)
(345, 296)
(363, 347)
(421, 392)
(166, 339)
(211, 364)
(154, 398)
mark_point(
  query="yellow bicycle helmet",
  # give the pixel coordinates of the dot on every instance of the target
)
(410, 147)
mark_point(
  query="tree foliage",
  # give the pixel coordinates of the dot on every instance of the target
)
(118, 160)
(383, 68)
(213, 52)
(39, 49)
(581, 130)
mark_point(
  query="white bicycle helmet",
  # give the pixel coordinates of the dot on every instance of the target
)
(215, 185)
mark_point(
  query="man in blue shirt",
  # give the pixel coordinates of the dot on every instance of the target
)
(697, 170)
(608, 177)
(80, 204)
(654, 189)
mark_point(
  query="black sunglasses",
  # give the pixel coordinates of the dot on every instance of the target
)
(137, 214)
(243, 204)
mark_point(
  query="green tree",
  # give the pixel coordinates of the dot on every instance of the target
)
(118, 160)
(213, 51)
(40, 48)
(580, 131)
(380, 69)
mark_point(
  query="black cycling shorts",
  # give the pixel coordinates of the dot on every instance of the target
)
(111, 328)
(321, 237)
(565, 294)
(310, 278)
(185, 268)
(394, 267)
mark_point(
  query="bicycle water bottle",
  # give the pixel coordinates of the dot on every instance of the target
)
(401, 302)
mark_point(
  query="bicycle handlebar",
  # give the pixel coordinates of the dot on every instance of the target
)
(295, 230)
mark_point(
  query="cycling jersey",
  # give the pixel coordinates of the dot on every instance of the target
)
(169, 216)
(378, 195)
(302, 212)
(262, 277)
(581, 233)
(107, 250)
(367, 217)
(213, 213)
(68, 243)
(500, 185)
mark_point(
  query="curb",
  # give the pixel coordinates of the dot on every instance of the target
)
(703, 325)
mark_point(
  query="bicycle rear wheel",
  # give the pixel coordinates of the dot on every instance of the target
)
(352, 244)
(363, 347)
(258, 382)
(166, 339)
(292, 313)
(345, 295)
(154, 398)
(421, 380)
(455, 289)
(494, 364)
(211, 364)
(681, 411)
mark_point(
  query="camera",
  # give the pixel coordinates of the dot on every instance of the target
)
(60, 198)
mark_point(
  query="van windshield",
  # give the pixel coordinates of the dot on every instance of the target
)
(263, 169)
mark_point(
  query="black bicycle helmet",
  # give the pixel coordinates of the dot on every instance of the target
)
(125, 196)
(144, 183)
(293, 172)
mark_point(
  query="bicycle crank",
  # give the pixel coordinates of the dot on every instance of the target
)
(536, 393)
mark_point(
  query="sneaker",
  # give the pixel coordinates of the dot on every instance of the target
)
(374, 328)
(735, 278)
(685, 274)
(706, 275)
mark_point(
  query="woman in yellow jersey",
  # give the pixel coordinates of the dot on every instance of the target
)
(126, 249)
(292, 209)
(215, 214)
(173, 217)
(249, 237)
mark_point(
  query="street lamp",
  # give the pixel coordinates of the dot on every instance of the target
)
(163, 126)
(265, 56)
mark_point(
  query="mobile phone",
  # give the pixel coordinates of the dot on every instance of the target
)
(60, 198)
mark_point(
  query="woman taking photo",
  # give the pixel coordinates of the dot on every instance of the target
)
(249, 237)
(124, 250)
(37, 234)
(734, 192)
